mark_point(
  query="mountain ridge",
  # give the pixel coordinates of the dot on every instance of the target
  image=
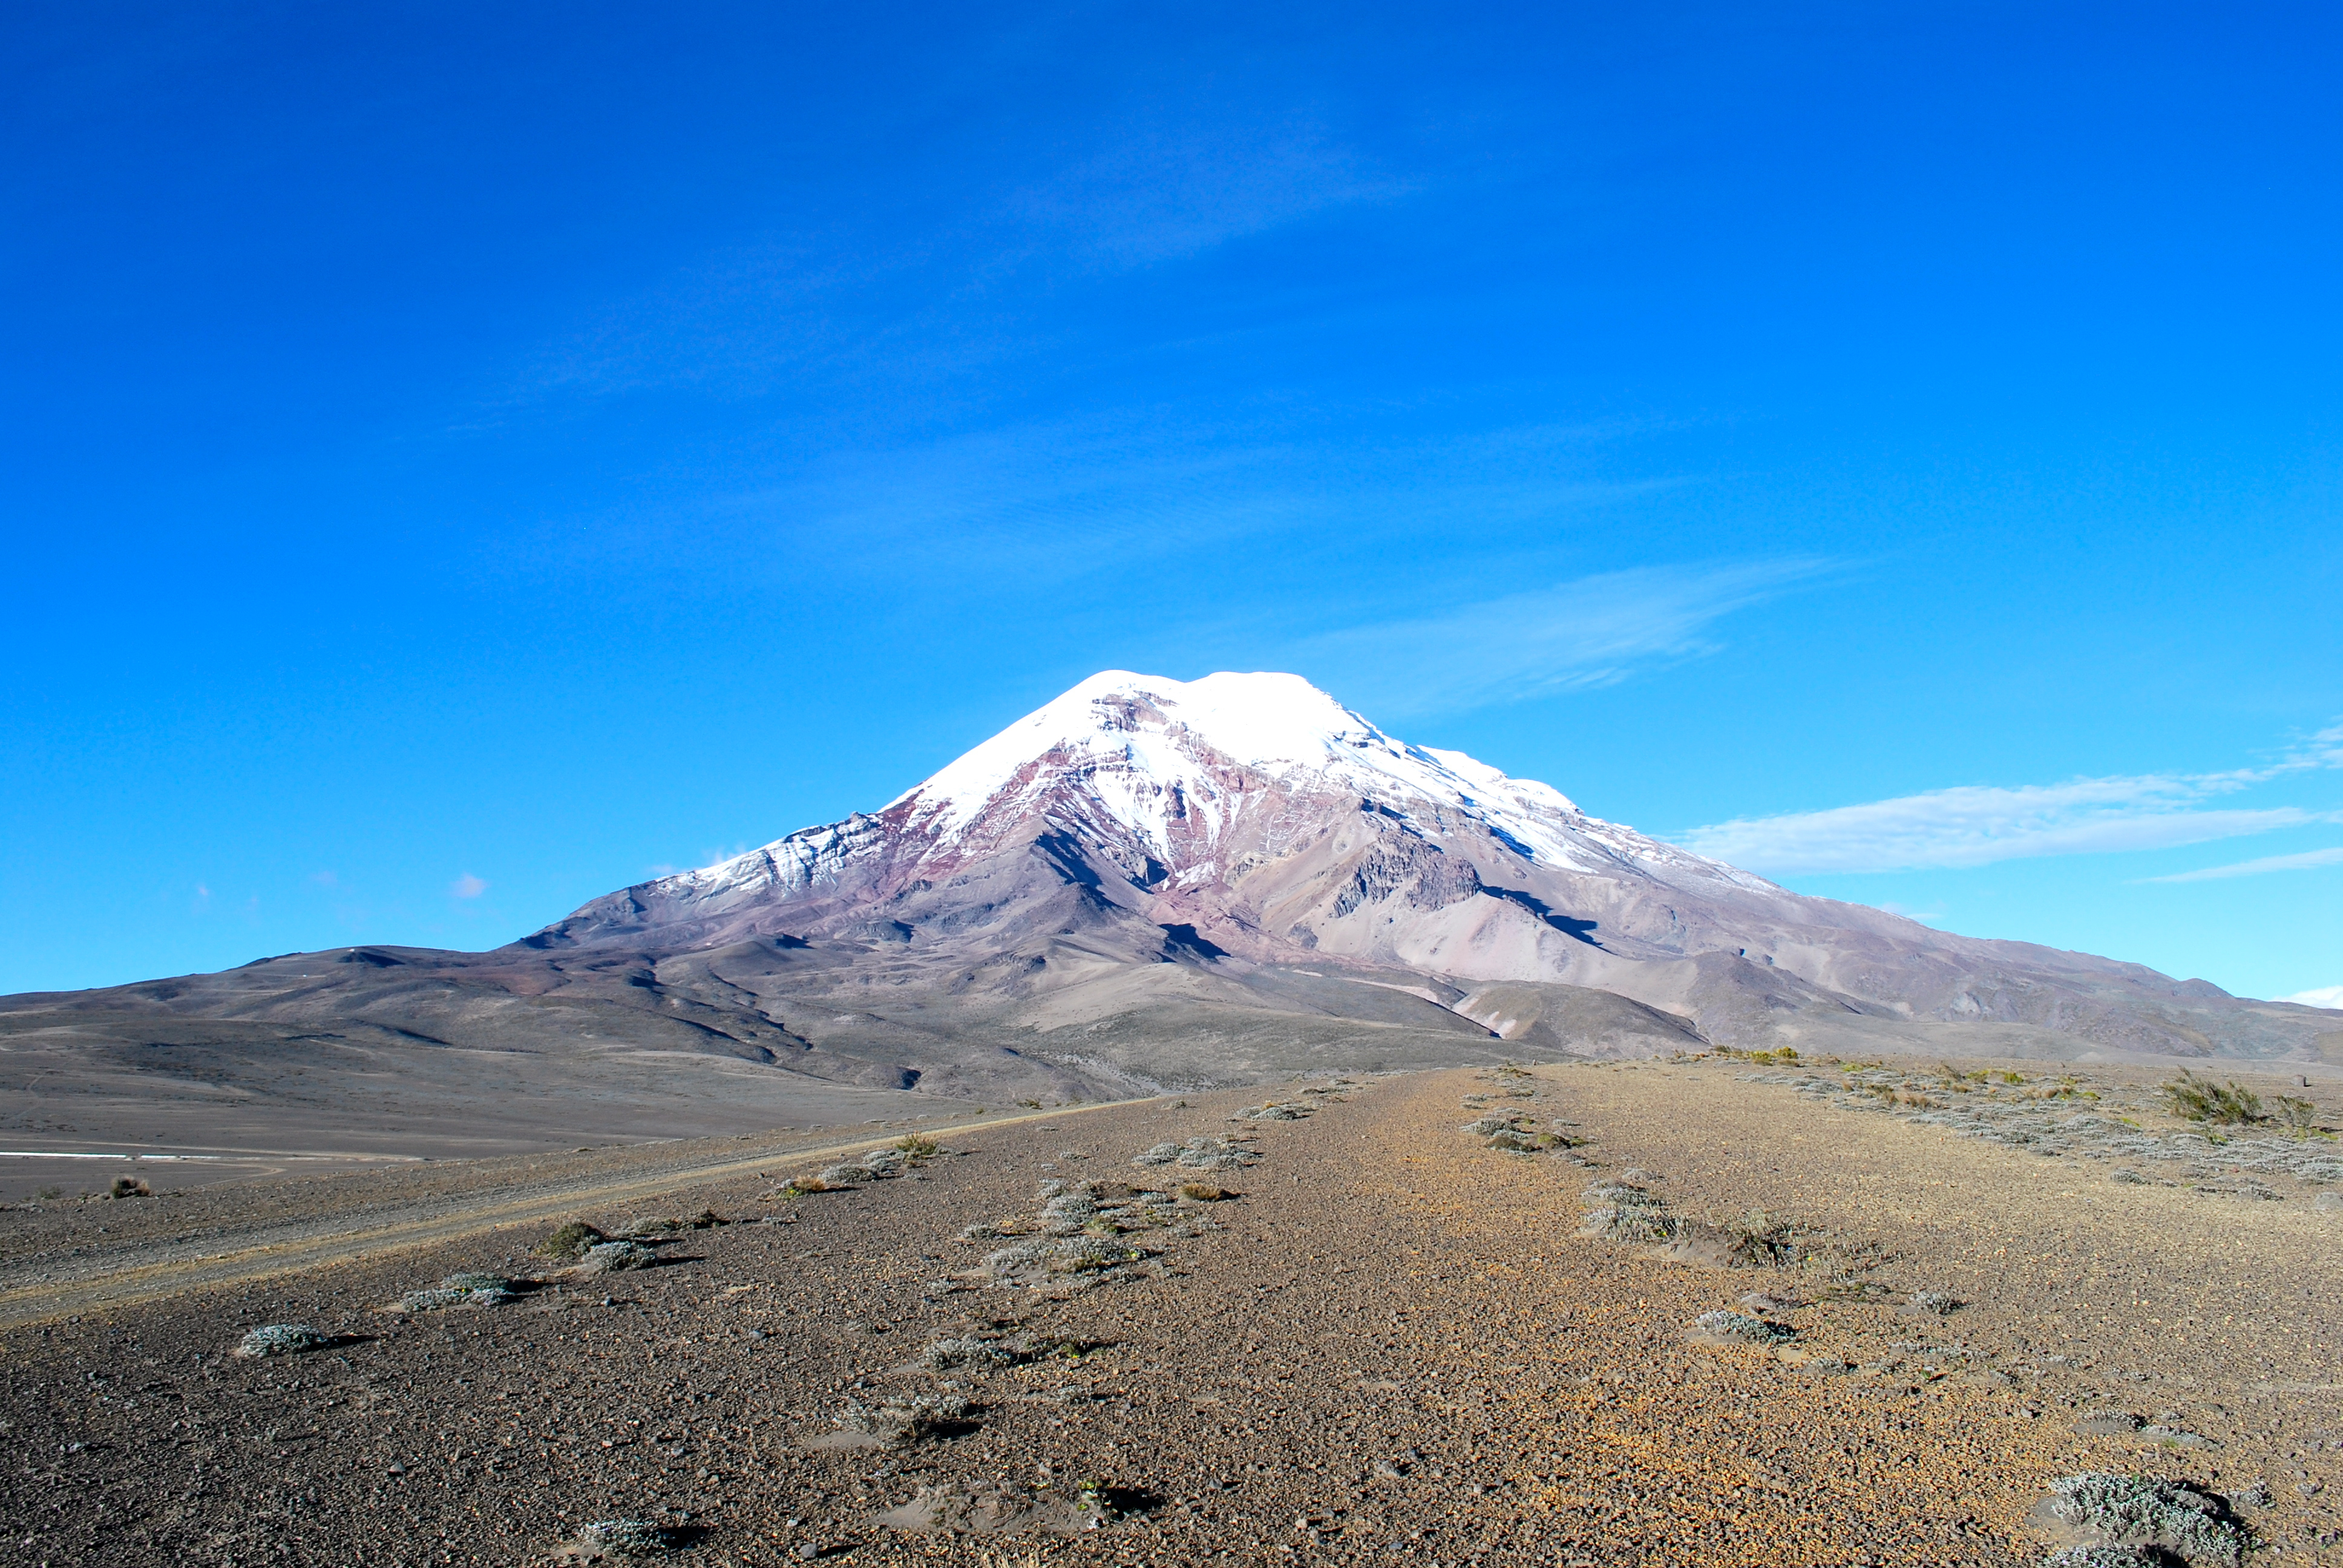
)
(1146, 885)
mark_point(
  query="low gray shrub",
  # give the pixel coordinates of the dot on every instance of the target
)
(965, 1352)
(281, 1340)
(612, 1257)
(1736, 1328)
(1622, 1211)
(2138, 1511)
(900, 1422)
(628, 1537)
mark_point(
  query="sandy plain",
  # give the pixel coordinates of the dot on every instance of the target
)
(1396, 1345)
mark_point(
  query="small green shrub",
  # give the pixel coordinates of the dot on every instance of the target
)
(2299, 1117)
(2201, 1099)
(917, 1147)
(571, 1240)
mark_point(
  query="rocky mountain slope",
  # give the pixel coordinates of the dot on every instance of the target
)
(1145, 884)
(1244, 821)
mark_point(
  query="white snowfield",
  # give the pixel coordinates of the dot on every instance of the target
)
(1146, 752)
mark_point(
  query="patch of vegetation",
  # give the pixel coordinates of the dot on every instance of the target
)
(613, 1257)
(433, 1301)
(1203, 1193)
(1200, 1154)
(2299, 1117)
(474, 1281)
(1756, 1238)
(2138, 1511)
(917, 1147)
(1737, 1329)
(877, 1165)
(128, 1187)
(2201, 1099)
(571, 1240)
(902, 1422)
(460, 1290)
(281, 1340)
(1622, 1211)
(628, 1537)
(966, 1352)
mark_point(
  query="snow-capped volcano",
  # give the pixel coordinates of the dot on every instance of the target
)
(1183, 786)
(1246, 820)
(1149, 884)
(1177, 763)
(1159, 753)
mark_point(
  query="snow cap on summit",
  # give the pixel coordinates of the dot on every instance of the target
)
(1143, 737)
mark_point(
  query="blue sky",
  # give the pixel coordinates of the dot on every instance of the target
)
(456, 462)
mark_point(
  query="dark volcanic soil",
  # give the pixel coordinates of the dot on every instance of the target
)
(1394, 1346)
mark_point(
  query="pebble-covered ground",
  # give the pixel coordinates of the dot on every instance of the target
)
(1639, 1314)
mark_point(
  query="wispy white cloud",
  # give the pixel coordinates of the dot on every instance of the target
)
(1161, 194)
(849, 297)
(2318, 996)
(2303, 862)
(467, 886)
(1979, 825)
(1591, 632)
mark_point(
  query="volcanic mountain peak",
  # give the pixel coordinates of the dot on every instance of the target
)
(1151, 747)
(1187, 775)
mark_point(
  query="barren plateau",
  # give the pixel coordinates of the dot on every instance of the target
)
(1693, 1309)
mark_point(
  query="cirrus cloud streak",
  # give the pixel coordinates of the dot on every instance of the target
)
(2303, 862)
(1977, 825)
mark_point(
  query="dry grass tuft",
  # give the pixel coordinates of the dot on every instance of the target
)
(1201, 1193)
(2201, 1099)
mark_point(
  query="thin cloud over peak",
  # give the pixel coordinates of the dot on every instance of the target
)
(467, 886)
(1591, 632)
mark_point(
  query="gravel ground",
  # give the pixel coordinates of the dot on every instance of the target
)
(1393, 1344)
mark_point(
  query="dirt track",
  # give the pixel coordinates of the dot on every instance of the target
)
(339, 1222)
(1394, 1347)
